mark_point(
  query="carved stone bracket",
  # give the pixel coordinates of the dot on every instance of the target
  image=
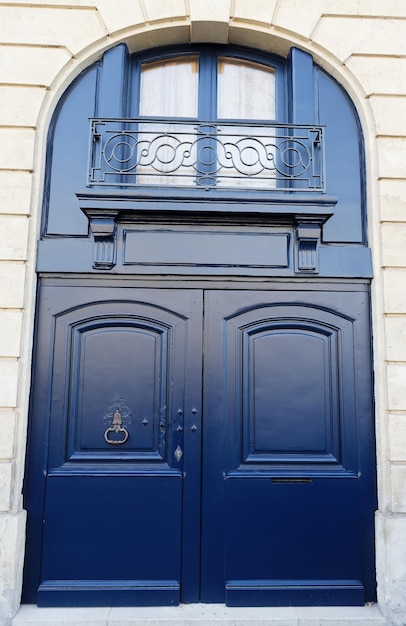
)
(103, 229)
(308, 235)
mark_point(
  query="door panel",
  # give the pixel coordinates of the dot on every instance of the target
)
(111, 540)
(287, 375)
(113, 497)
(117, 359)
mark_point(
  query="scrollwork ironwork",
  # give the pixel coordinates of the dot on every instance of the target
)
(136, 152)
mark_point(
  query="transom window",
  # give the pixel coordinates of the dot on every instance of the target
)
(205, 119)
(244, 89)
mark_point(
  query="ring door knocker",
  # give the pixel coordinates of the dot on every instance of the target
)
(116, 427)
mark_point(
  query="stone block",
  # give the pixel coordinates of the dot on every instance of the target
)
(389, 8)
(7, 429)
(394, 290)
(209, 20)
(394, 245)
(17, 148)
(130, 14)
(23, 105)
(389, 112)
(257, 11)
(15, 192)
(344, 36)
(393, 200)
(6, 472)
(30, 615)
(30, 65)
(297, 16)
(391, 157)
(204, 614)
(258, 36)
(379, 75)
(395, 335)
(50, 26)
(158, 10)
(177, 32)
(8, 382)
(398, 488)
(65, 3)
(397, 437)
(340, 616)
(12, 541)
(302, 17)
(10, 335)
(201, 615)
(13, 239)
(391, 566)
(396, 376)
(12, 277)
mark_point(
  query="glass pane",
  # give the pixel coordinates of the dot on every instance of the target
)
(170, 88)
(246, 90)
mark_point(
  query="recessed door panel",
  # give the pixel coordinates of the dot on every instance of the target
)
(111, 539)
(288, 378)
(118, 364)
(299, 541)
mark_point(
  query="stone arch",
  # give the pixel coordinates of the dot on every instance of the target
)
(202, 26)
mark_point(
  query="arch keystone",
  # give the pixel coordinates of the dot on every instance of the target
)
(209, 21)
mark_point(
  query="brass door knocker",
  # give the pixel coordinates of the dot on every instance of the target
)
(116, 427)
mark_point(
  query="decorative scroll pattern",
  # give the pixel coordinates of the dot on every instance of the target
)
(117, 405)
(134, 152)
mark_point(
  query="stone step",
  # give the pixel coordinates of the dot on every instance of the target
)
(200, 615)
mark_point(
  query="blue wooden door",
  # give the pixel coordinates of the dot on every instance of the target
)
(126, 506)
(114, 369)
(288, 489)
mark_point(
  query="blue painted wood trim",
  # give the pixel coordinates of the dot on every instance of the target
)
(113, 82)
(301, 88)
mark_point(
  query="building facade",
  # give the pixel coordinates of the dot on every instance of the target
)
(359, 47)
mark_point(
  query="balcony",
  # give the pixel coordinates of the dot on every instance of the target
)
(140, 153)
(184, 173)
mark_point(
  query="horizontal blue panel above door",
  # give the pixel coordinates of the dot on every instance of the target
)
(75, 255)
(205, 247)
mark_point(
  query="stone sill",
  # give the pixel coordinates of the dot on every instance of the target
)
(200, 615)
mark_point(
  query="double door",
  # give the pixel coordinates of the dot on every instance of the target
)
(191, 444)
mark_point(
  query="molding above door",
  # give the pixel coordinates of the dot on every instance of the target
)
(303, 217)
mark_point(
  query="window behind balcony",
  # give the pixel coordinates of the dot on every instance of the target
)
(205, 120)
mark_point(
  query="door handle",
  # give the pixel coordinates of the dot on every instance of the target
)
(116, 427)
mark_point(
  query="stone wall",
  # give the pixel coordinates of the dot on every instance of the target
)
(45, 44)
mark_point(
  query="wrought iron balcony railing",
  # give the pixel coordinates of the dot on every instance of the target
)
(139, 152)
